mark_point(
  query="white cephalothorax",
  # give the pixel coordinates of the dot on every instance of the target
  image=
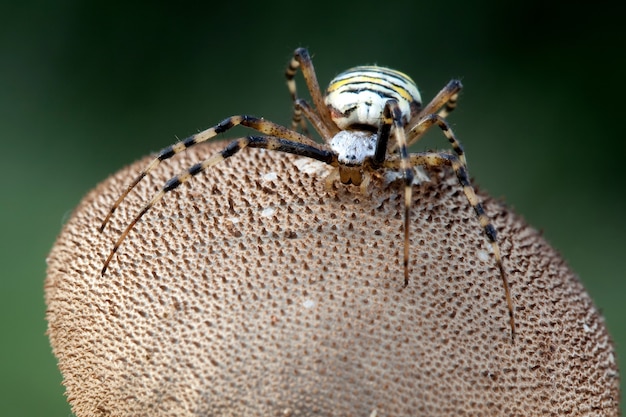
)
(353, 146)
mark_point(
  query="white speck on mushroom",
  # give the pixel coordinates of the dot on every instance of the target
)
(419, 177)
(270, 176)
(268, 211)
(312, 167)
(308, 303)
(483, 256)
(586, 328)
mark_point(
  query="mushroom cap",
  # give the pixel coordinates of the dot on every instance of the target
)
(256, 290)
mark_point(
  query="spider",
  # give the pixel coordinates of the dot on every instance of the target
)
(367, 119)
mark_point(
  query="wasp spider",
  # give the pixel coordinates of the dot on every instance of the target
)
(367, 119)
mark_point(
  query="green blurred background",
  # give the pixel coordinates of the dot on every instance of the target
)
(87, 87)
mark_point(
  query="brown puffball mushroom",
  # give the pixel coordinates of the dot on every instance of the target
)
(254, 290)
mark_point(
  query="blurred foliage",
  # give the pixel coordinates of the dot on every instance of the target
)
(87, 87)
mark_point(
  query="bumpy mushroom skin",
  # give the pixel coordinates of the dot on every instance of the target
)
(256, 291)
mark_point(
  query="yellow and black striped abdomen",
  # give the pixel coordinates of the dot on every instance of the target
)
(356, 97)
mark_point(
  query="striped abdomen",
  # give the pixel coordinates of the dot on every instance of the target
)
(356, 97)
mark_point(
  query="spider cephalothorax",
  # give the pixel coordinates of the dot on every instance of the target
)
(367, 119)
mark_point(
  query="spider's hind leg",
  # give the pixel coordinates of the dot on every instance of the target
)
(446, 98)
(431, 120)
(428, 117)
(325, 127)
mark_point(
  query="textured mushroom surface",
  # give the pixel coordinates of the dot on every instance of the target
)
(254, 290)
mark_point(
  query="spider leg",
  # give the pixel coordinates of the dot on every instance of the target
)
(437, 159)
(264, 142)
(446, 98)
(314, 118)
(428, 116)
(259, 124)
(449, 95)
(302, 59)
(392, 116)
(430, 120)
(449, 106)
(297, 122)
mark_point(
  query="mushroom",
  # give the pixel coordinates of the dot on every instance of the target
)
(255, 290)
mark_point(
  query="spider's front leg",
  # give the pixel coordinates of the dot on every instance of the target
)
(392, 118)
(264, 126)
(314, 151)
(438, 159)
